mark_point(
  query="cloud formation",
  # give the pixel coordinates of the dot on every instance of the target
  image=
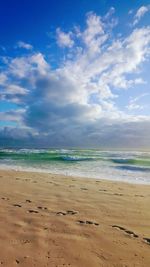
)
(140, 13)
(64, 39)
(24, 45)
(75, 104)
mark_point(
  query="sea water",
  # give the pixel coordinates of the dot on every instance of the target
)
(124, 166)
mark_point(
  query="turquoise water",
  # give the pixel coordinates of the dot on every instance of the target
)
(123, 166)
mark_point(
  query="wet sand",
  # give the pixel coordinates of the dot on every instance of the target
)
(53, 220)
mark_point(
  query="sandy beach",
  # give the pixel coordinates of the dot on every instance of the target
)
(53, 220)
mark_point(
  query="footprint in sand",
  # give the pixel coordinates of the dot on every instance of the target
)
(28, 200)
(61, 213)
(131, 233)
(119, 227)
(103, 190)
(147, 240)
(19, 241)
(17, 205)
(42, 208)
(5, 198)
(72, 212)
(88, 222)
(68, 212)
(83, 188)
(33, 211)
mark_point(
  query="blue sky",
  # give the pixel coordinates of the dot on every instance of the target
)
(75, 73)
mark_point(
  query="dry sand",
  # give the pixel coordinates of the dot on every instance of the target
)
(49, 220)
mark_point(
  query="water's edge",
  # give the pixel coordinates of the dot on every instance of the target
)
(131, 167)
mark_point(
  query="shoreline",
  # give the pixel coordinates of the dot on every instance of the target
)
(57, 220)
(33, 170)
(107, 165)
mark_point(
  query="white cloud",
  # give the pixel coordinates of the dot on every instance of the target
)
(140, 13)
(64, 39)
(24, 45)
(76, 101)
(12, 115)
(22, 67)
(16, 89)
(109, 14)
(13, 93)
(3, 78)
(125, 57)
(94, 30)
(134, 105)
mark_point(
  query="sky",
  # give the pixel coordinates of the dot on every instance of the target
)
(75, 74)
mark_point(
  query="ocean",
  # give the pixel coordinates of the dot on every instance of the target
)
(133, 167)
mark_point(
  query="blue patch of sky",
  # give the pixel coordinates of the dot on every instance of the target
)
(8, 123)
(5, 106)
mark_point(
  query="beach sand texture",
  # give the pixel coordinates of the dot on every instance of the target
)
(53, 220)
